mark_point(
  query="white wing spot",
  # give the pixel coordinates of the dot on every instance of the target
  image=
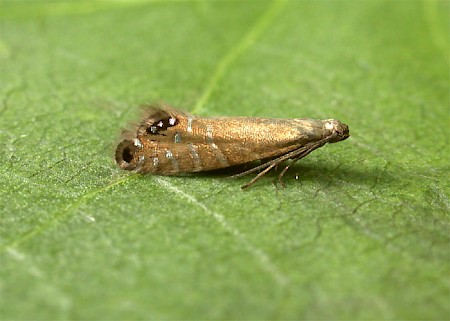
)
(329, 125)
(193, 150)
(217, 152)
(209, 134)
(189, 124)
(173, 160)
(177, 138)
(137, 143)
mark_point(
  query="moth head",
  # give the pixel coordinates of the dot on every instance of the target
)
(337, 130)
(129, 154)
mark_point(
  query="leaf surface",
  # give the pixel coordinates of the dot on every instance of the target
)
(359, 232)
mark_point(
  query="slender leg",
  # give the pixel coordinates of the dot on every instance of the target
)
(251, 170)
(259, 176)
(278, 160)
(280, 176)
(295, 155)
(299, 156)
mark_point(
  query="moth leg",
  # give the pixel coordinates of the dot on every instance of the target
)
(280, 176)
(300, 155)
(295, 155)
(251, 170)
(259, 175)
(276, 161)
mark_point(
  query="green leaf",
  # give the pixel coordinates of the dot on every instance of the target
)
(359, 232)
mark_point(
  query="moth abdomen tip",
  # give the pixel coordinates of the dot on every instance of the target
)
(127, 154)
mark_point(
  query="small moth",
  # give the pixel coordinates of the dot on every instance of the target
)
(167, 141)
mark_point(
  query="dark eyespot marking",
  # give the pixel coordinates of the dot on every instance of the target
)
(161, 124)
(157, 119)
(126, 154)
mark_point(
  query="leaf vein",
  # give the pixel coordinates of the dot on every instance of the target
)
(247, 41)
(264, 260)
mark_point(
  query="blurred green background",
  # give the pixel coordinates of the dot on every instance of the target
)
(359, 232)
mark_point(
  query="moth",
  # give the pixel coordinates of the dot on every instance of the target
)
(167, 141)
